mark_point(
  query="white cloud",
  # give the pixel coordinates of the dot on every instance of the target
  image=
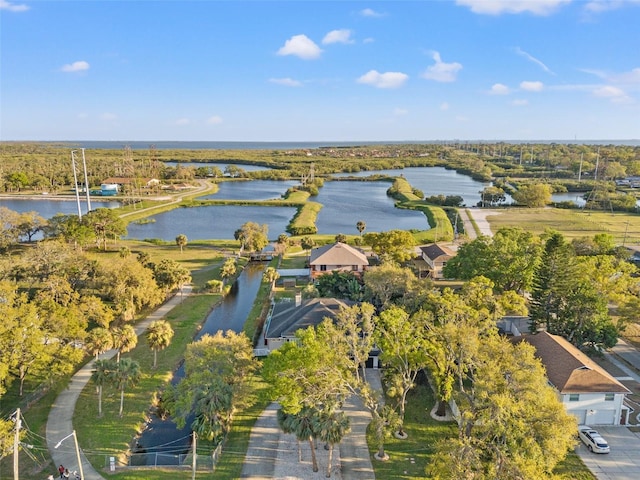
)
(497, 7)
(13, 7)
(399, 112)
(383, 80)
(533, 59)
(337, 36)
(368, 12)
(183, 121)
(444, 106)
(300, 46)
(287, 82)
(615, 94)
(214, 120)
(499, 89)
(108, 116)
(78, 66)
(532, 86)
(597, 6)
(462, 118)
(441, 71)
(368, 40)
(520, 103)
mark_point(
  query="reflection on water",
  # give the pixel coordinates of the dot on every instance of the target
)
(345, 203)
(162, 443)
(434, 181)
(48, 208)
(212, 222)
(259, 190)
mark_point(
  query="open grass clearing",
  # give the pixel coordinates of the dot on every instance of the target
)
(625, 228)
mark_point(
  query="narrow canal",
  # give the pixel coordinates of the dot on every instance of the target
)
(162, 443)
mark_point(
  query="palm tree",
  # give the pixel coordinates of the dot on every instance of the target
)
(286, 421)
(305, 427)
(100, 376)
(159, 335)
(333, 427)
(124, 339)
(228, 270)
(99, 341)
(361, 226)
(126, 373)
(271, 275)
(181, 241)
(213, 410)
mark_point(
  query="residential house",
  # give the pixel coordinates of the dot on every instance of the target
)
(436, 257)
(337, 257)
(586, 389)
(286, 318)
(122, 181)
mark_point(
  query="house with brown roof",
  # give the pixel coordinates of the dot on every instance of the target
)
(586, 389)
(436, 256)
(337, 257)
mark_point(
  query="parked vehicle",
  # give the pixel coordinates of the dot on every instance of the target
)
(593, 440)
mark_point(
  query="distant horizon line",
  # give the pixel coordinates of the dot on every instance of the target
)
(329, 143)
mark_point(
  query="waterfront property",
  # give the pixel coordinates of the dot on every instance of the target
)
(337, 257)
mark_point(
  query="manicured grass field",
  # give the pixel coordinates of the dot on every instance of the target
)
(625, 228)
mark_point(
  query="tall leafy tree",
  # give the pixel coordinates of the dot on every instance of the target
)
(169, 274)
(393, 245)
(106, 224)
(361, 226)
(512, 423)
(159, 335)
(509, 259)
(402, 352)
(228, 270)
(533, 196)
(252, 236)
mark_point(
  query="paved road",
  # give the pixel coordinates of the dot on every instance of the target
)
(59, 423)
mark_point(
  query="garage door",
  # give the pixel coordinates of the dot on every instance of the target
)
(581, 415)
(601, 417)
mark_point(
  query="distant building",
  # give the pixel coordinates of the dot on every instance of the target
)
(435, 256)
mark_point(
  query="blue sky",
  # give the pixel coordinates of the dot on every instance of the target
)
(320, 70)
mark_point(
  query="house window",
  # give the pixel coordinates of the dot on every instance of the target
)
(608, 397)
(354, 268)
(574, 397)
(323, 268)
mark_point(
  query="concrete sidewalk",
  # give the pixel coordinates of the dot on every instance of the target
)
(59, 423)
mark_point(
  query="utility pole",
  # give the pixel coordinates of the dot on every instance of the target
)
(75, 181)
(16, 444)
(193, 462)
(86, 182)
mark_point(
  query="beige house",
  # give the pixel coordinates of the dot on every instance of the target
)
(436, 257)
(337, 257)
(586, 389)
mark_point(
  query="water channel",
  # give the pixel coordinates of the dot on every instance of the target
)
(162, 443)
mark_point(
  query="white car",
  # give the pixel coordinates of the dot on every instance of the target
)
(593, 440)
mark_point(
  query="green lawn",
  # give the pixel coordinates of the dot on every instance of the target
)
(572, 223)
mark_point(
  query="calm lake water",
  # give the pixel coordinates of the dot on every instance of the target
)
(434, 181)
(212, 222)
(251, 190)
(48, 208)
(345, 203)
